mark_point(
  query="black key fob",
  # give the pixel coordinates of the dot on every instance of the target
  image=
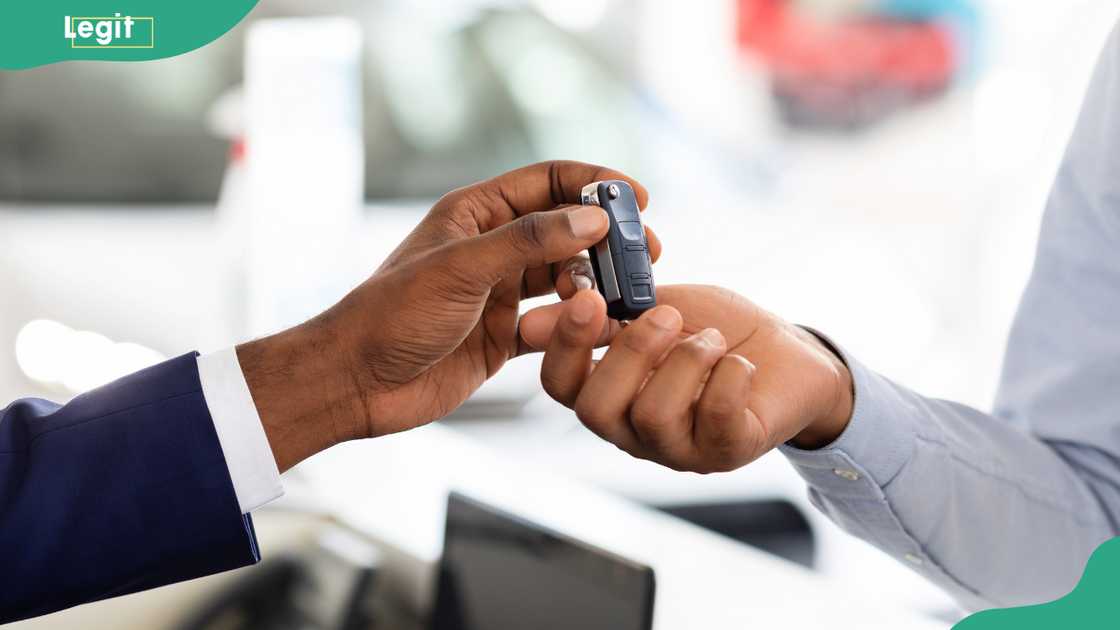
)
(621, 261)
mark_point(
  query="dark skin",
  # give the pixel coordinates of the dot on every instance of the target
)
(706, 382)
(438, 318)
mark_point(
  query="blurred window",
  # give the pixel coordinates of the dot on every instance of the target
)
(444, 105)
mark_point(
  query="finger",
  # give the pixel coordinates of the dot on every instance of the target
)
(714, 307)
(545, 185)
(537, 326)
(574, 276)
(726, 433)
(604, 403)
(563, 278)
(531, 241)
(662, 414)
(654, 244)
(567, 362)
(539, 281)
(499, 321)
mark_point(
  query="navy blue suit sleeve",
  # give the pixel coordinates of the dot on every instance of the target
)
(121, 490)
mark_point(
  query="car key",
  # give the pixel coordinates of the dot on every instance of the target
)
(623, 269)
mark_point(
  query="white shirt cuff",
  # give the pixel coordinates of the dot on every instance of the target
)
(252, 467)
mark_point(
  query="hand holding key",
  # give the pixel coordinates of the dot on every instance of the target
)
(705, 382)
(621, 261)
(436, 320)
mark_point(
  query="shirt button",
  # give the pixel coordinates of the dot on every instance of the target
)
(844, 473)
(912, 559)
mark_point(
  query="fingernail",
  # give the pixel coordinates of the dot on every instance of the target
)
(587, 221)
(712, 337)
(665, 318)
(581, 282)
(581, 312)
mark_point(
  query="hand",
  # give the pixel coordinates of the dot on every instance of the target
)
(437, 318)
(706, 382)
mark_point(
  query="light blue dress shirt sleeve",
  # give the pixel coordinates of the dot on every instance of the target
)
(1005, 508)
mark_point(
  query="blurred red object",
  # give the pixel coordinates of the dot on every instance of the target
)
(846, 72)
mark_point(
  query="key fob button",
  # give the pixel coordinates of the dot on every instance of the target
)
(636, 262)
(621, 261)
(631, 231)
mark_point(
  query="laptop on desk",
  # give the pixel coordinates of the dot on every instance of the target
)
(501, 572)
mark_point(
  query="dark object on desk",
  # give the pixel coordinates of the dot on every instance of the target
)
(623, 270)
(330, 587)
(777, 527)
(500, 572)
(258, 599)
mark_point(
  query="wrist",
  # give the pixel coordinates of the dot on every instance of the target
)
(837, 401)
(303, 392)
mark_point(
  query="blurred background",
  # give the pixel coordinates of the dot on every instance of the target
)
(873, 168)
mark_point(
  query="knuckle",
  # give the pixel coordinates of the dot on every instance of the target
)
(556, 388)
(570, 336)
(648, 420)
(655, 429)
(555, 185)
(531, 232)
(720, 411)
(725, 454)
(722, 445)
(695, 350)
(641, 338)
(450, 202)
(464, 212)
(589, 415)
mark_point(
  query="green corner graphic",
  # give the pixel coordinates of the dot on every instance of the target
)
(1093, 604)
(49, 31)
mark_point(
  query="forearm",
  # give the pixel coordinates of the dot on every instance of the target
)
(1006, 509)
(304, 392)
(123, 489)
(976, 504)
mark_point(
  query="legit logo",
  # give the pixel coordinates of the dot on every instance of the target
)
(111, 32)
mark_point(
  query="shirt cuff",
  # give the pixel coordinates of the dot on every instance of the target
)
(874, 447)
(252, 467)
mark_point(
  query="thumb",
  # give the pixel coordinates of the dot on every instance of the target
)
(536, 239)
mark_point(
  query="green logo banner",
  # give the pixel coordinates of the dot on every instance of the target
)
(39, 32)
(1092, 604)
